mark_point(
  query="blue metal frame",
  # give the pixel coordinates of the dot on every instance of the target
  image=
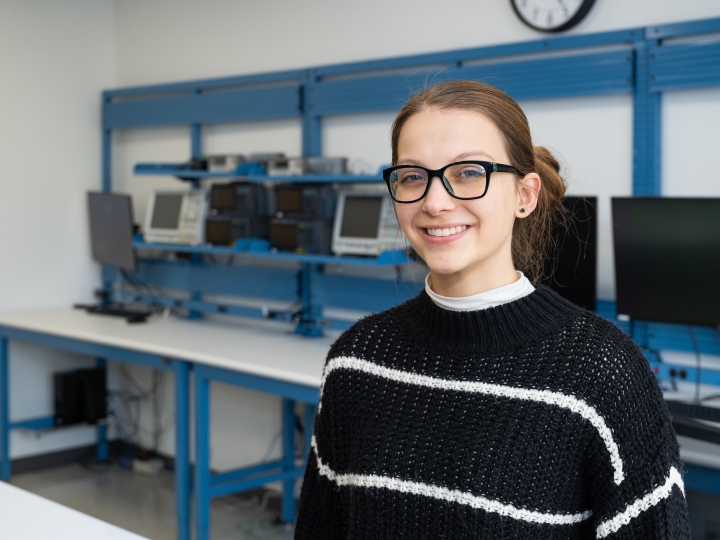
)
(101, 352)
(209, 485)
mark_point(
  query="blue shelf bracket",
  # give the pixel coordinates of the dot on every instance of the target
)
(646, 126)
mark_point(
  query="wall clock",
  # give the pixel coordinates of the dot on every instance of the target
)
(551, 15)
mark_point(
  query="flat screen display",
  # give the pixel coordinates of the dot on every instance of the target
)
(223, 197)
(111, 229)
(284, 235)
(667, 259)
(166, 212)
(289, 199)
(571, 265)
(361, 216)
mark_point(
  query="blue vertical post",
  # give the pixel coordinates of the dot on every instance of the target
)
(309, 324)
(4, 411)
(107, 160)
(102, 449)
(202, 455)
(182, 449)
(309, 426)
(107, 188)
(196, 152)
(311, 122)
(288, 459)
(646, 125)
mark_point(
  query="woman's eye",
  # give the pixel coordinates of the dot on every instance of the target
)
(411, 177)
(471, 174)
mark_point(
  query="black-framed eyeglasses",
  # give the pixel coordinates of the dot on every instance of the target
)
(464, 180)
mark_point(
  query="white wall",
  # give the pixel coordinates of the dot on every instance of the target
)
(170, 40)
(55, 58)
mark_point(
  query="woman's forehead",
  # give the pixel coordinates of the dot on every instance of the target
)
(450, 135)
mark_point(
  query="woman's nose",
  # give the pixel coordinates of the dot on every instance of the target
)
(438, 199)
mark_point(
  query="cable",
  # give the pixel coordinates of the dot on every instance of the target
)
(698, 362)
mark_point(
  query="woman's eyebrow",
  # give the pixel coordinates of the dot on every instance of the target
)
(467, 155)
(459, 157)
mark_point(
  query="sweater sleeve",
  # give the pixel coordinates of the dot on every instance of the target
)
(320, 513)
(646, 499)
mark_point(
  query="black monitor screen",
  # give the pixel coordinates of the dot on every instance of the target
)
(667, 259)
(361, 216)
(222, 197)
(289, 199)
(111, 229)
(571, 266)
(166, 212)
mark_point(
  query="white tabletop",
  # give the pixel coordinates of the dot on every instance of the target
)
(258, 347)
(24, 515)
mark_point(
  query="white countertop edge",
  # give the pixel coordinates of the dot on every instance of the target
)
(169, 352)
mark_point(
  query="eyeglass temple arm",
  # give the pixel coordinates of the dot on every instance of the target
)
(504, 168)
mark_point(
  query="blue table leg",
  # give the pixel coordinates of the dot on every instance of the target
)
(202, 455)
(308, 428)
(4, 411)
(288, 459)
(102, 450)
(182, 449)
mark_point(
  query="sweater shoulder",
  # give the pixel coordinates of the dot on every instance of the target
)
(369, 332)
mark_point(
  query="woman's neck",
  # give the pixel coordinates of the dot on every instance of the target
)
(472, 281)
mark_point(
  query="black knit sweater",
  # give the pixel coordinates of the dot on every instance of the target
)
(531, 420)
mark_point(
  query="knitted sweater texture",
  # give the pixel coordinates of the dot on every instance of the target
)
(531, 420)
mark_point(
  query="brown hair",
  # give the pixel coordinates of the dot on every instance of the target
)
(531, 235)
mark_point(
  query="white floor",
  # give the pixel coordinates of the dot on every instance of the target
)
(145, 504)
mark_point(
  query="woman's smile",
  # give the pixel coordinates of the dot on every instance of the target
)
(443, 234)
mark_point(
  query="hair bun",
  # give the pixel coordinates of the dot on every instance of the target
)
(545, 157)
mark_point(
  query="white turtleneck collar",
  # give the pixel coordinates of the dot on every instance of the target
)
(495, 297)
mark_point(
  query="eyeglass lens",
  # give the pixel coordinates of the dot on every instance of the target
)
(465, 180)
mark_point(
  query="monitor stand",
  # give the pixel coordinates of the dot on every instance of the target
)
(116, 310)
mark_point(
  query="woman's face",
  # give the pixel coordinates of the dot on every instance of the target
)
(474, 255)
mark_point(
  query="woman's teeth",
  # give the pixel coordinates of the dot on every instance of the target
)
(446, 232)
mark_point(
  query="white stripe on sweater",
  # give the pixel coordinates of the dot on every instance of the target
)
(445, 494)
(633, 510)
(528, 394)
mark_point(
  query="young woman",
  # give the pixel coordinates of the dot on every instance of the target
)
(486, 407)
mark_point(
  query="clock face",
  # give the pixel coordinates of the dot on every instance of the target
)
(552, 15)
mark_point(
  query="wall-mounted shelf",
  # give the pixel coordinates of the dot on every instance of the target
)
(260, 249)
(179, 170)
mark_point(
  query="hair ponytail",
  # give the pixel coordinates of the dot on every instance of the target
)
(532, 235)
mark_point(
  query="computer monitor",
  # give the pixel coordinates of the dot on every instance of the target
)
(571, 265)
(111, 229)
(365, 223)
(667, 259)
(176, 217)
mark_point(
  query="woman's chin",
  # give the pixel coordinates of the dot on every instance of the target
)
(444, 267)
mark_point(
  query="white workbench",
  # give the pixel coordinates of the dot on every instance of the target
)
(252, 353)
(259, 347)
(25, 516)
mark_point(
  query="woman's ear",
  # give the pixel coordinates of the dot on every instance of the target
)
(528, 192)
